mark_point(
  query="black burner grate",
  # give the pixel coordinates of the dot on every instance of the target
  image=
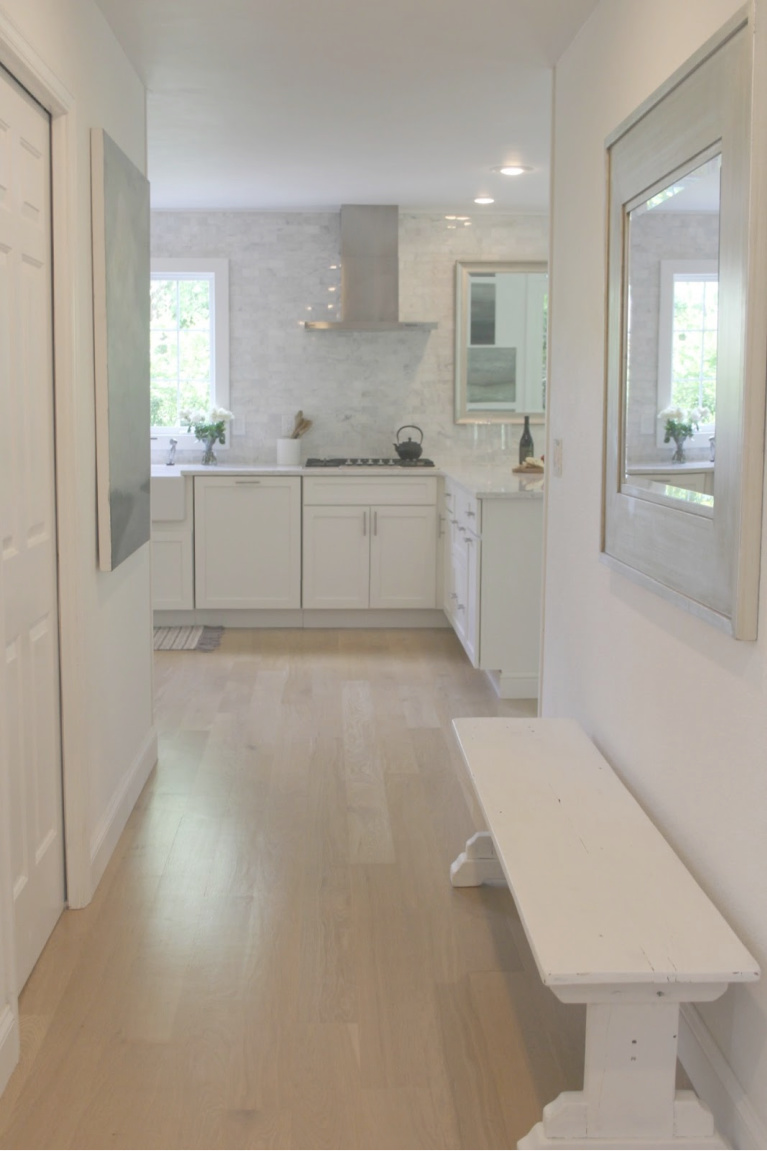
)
(366, 462)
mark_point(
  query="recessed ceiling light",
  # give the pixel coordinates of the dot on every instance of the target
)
(451, 217)
(512, 169)
(484, 200)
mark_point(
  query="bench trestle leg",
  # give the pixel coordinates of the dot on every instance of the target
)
(477, 864)
(629, 1097)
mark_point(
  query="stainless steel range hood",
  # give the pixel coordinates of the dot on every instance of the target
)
(369, 273)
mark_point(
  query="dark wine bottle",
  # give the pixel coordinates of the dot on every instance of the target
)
(525, 442)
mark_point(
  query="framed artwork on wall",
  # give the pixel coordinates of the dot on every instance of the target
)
(120, 221)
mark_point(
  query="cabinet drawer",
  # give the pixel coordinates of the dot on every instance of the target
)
(467, 511)
(358, 490)
(462, 510)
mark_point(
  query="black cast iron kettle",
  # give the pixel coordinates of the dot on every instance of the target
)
(410, 449)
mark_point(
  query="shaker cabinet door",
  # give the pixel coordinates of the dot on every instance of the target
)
(336, 556)
(248, 542)
(172, 570)
(403, 557)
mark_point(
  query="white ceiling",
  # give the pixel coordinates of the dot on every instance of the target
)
(308, 104)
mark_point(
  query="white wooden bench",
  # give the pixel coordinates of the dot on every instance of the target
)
(614, 920)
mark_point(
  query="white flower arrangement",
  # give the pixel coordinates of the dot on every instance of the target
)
(208, 425)
(679, 426)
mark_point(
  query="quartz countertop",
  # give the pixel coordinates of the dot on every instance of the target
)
(496, 482)
(665, 468)
(484, 483)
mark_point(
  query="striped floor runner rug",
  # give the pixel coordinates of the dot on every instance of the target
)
(187, 638)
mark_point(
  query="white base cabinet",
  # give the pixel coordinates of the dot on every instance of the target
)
(369, 544)
(492, 583)
(172, 548)
(336, 557)
(247, 541)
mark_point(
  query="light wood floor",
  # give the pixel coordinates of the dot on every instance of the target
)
(275, 957)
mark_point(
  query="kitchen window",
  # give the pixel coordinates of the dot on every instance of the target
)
(687, 339)
(189, 342)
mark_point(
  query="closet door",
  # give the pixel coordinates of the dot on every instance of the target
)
(28, 572)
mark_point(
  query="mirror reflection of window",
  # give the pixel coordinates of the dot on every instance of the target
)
(482, 310)
(671, 334)
(694, 327)
(506, 353)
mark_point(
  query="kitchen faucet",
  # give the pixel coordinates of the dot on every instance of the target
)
(172, 453)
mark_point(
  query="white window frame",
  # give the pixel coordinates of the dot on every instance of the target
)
(217, 270)
(669, 271)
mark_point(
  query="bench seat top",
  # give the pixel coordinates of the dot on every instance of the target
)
(602, 896)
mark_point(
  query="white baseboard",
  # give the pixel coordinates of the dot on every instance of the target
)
(10, 1046)
(305, 618)
(512, 685)
(375, 617)
(110, 827)
(715, 1083)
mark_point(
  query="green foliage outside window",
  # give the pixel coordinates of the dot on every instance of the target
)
(180, 348)
(694, 348)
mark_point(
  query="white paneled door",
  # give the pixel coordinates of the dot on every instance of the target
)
(28, 574)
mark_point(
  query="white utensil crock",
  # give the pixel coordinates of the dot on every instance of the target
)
(288, 452)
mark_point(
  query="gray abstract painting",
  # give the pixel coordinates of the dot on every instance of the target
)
(120, 207)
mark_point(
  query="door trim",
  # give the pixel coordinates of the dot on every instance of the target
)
(19, 58)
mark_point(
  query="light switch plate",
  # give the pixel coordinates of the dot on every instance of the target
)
(556, 463)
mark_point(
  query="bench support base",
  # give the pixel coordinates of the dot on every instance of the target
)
(629, 1097)
(477, 864)
(568, 1108)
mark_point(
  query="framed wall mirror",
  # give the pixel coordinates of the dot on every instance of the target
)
(501, 319)
(684, 440)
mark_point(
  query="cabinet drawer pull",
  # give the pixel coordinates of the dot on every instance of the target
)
(469, 512)
(247, 483)
(375, 523)
(453, 595)
(364, 523)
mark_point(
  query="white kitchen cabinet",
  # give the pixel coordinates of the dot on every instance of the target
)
(336, 557)
(370, 542)
(171, 547)
(492, 583)
(247, 541)
(403, 557)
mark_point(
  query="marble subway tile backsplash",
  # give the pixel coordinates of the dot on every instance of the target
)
(356, 387)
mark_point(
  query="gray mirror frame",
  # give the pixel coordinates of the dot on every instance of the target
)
(707, 564)
(463, 269)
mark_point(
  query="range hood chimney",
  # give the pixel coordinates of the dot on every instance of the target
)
(369, 272)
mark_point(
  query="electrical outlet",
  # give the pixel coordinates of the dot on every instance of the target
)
(556, 462)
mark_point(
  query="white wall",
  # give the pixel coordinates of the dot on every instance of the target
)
(358, 388)
(109, 741)
(679, 709)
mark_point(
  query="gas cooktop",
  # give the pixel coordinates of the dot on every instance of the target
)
(366, 462)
